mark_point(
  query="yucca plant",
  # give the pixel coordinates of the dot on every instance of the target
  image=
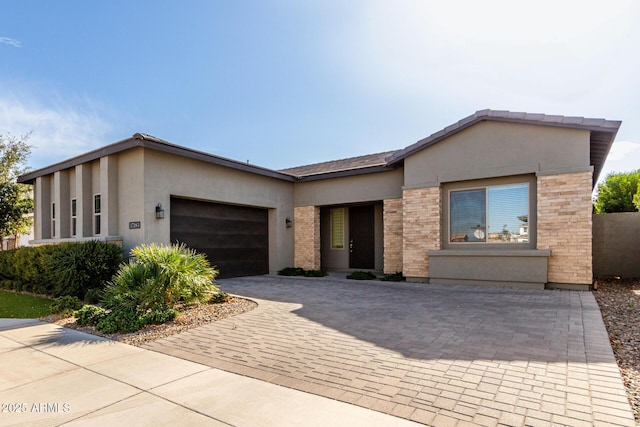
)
(161, 275)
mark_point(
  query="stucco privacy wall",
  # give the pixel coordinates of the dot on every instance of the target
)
(306, 220)
(167, 175)
(564, 226)
(615, 245)
(392, 219)
(421, 209)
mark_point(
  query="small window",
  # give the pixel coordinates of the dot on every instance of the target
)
(53, 220)
(494, 214)
(337, 228)
(74, 216)
(96, 214)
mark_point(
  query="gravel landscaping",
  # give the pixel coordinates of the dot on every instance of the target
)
(189, 317)
(619, 302)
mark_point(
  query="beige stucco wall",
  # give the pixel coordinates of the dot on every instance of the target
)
(494, 149)
(351, 189)
(166, 175)
(131, 203)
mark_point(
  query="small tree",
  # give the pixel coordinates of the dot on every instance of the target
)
(16, 200)
(619, 193)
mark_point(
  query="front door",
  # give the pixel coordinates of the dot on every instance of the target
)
(361, 237)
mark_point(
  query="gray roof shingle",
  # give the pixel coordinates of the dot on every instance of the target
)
(351, 163)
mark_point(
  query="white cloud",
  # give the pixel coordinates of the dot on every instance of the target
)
(59, 131)
(10, 41)
(624, 156)
(496, 54)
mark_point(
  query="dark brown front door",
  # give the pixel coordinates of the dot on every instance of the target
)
(234, 238)
(361, 237)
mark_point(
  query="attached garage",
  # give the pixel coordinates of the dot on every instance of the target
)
(234, 238)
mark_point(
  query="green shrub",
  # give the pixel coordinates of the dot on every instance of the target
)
(362, 275)
(396, 277)
(65, 305)
(120, 320)
(89, 315)
(64, 269)
(78, 267)
(161, 275)
(218, 297)
(315, 273)
(159, 315)
(93, 295)
(297, 271)
(291, 271)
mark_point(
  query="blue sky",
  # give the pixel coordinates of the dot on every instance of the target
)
(284, 83)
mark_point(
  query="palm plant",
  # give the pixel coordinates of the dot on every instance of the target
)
(161, 275)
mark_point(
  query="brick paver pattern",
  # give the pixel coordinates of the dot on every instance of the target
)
(438, 355)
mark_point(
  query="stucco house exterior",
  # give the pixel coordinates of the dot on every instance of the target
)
(498, 198)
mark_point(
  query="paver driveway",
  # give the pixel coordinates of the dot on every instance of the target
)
(440, 355)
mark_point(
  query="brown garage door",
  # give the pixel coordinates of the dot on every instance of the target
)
(234, 238)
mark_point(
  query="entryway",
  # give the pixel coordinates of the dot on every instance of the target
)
(352, 237)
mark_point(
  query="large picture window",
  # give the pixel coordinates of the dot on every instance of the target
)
(492, 214)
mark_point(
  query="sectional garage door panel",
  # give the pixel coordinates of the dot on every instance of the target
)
(234, 238)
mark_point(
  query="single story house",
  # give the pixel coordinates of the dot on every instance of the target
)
(499, 198)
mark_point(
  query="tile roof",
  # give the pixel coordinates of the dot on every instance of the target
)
(351, 163)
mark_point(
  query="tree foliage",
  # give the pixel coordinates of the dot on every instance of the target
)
(16, 200)
(620, 192)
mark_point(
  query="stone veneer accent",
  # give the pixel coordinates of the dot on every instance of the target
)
(392, 219)
(565, 226)
(422, 213)
(306, 221)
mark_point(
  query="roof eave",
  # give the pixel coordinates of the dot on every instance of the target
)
(146, 141)
(345, 173)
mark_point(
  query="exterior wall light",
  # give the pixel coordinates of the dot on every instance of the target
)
(159, 211)
(288, 222)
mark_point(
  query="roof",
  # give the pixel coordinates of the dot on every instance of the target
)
(349, 164)
(603, 133)
(153, 143)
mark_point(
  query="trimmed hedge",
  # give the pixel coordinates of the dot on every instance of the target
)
(70, 269)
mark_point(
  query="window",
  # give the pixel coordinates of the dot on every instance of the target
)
(492, 214)
(96, 214)
(53, 220)
(337, 228)
(74, 216)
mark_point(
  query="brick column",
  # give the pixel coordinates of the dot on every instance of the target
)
(306, 220)
(392, 220)
(565, 226)
(421, 210)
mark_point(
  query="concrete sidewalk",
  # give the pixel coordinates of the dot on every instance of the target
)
(52, 376)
